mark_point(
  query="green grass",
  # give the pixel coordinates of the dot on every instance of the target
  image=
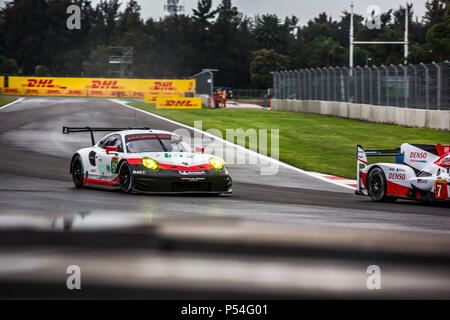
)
(4, 101)
(310, 141)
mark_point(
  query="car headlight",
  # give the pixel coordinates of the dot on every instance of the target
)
(150, 163)
(216, 163)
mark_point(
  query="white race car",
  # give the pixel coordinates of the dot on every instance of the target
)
(147, 160)
(422, 172)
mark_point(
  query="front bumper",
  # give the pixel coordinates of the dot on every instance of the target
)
(175, 181)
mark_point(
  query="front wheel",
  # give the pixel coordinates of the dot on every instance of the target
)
(376, 186)
(125, 178)
(77, 172)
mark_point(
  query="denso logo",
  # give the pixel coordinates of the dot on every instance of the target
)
(418, 155)
(35, 83)
(175, 103)
(163, 85)
(397, 176)
(97, 84)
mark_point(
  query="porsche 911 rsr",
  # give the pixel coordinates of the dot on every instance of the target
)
(147, 160)
(422, 172)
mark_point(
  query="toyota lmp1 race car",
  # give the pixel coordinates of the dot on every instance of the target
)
(145, 160)
(422, 172)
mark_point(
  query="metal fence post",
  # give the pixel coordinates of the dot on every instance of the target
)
(334, 83)
(315, 84)
(370, 84)
(427, 85)
(378, 85)
(362, 83)
(386, 83)
(293, 84)
(274, 82)
(303, 84)
(416, 89)
(289, 84)
(320, 84)
(309, 83)
(396, 84)
(438, 83)
(406, 79)
(354, 74)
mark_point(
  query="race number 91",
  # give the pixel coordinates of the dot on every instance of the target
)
(250, 309)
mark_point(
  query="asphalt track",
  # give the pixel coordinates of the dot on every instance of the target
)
(34, 178)
(288, 235)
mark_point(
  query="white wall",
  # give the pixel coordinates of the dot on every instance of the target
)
(433, 119)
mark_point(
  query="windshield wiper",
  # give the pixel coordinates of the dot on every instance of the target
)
(162, 144)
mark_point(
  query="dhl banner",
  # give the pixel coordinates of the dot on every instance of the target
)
(175, 102)
(2, 81)
(96, 87)
(152, 98)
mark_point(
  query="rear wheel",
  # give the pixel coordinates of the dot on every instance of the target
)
(125, 178)
(376, 186)
(77, 172)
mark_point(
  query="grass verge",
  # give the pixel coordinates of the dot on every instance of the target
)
(5, 101)
(310, 141)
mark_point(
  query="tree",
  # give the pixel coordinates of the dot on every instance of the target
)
(268, 31)
(326, 52)
(41, 71)
(263, 62)
(438, 38)
(8, 66)
(97, 63)
(435, 12)
(204, 13)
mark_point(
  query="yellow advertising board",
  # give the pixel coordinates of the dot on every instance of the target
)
(97, 87)
(2, 81)
(153, 98)
(175, 102)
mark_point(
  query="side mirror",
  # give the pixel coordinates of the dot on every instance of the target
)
(200, 149)
(110, 150)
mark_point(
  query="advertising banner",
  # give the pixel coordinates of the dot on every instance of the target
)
(175, 102)
(153, 98)
(93, 87)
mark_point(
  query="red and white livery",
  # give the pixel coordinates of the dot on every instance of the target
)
(422, 172)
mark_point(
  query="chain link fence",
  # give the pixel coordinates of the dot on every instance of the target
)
(421, 86)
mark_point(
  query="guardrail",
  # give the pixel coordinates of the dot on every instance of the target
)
(422, 86)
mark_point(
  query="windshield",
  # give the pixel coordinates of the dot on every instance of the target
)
(139, 143)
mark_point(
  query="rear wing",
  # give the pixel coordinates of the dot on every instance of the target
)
(67, 130)
(361, 159)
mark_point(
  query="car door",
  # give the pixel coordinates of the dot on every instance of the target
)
(107, 163)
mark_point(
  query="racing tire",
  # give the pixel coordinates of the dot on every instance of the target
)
(77, 172)
(125, 178)
(376, 186)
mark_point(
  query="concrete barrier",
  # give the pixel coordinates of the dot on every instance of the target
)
(419, 118)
